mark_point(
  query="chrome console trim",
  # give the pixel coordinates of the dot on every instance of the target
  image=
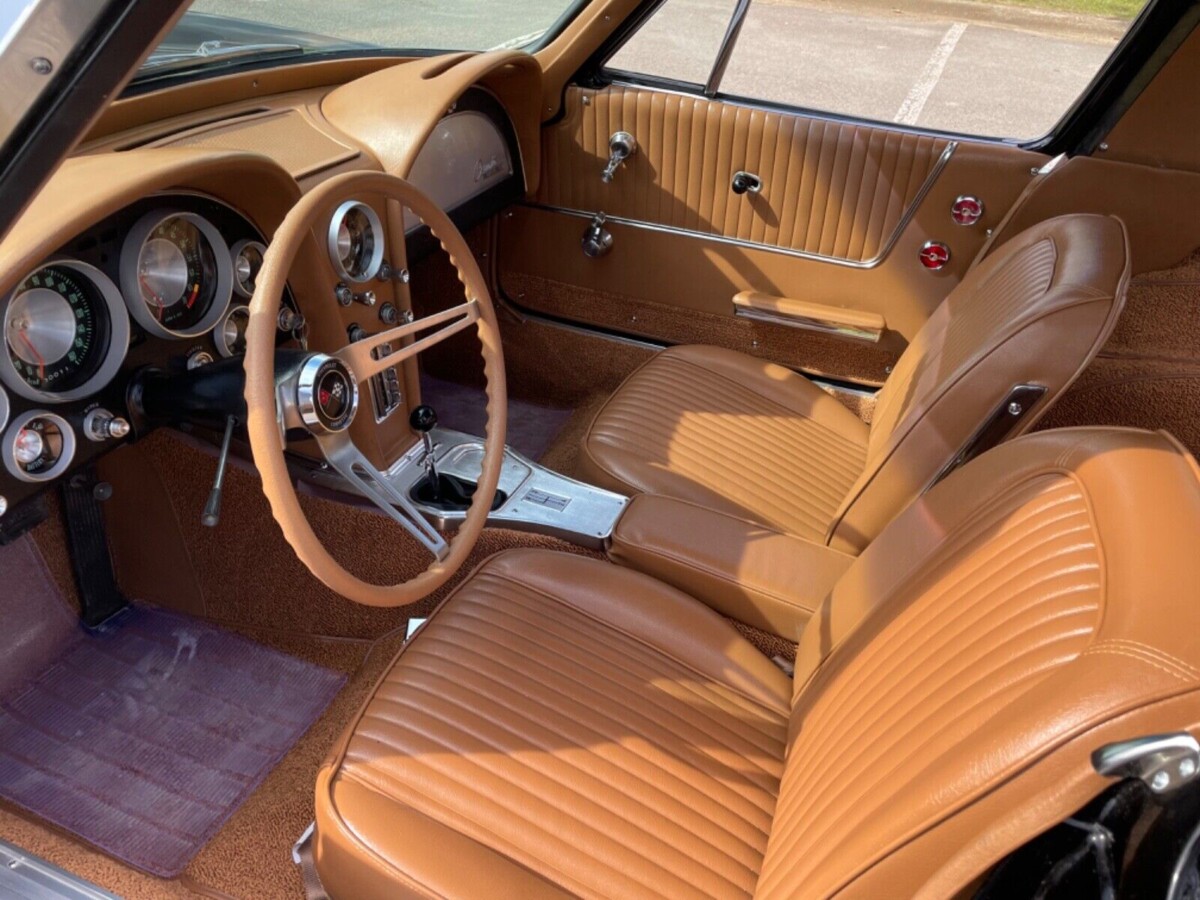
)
(871, 263)
(539, 500)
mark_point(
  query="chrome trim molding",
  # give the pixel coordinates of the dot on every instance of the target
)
(30, 877)
(773, 248)
(871, 335)
(1165, 762)
(378, 239)
(39, 41)
(725, 51)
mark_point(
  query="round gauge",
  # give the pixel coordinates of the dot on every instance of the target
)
(230, 333)
(5, 409)
(247, 260)
(355, 242)
(38, 446)
(176, 274)
(65, 333)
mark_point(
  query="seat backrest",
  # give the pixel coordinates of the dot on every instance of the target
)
(1036, 604)
(1035, 312)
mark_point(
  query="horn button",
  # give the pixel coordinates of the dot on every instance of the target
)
(326, 395)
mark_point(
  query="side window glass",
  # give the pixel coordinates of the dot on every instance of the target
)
(678, 43)
(1001, 70)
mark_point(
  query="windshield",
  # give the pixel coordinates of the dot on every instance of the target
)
(215, 33)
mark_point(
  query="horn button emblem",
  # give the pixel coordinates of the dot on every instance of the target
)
(327, 395)
(934, 255)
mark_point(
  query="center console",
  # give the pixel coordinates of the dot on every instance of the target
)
(529, 497)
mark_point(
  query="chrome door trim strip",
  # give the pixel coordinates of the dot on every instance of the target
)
(725, 51)
(774, 248)
(807, 323)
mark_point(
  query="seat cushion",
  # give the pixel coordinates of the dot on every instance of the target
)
(730, 432)
(559, 726)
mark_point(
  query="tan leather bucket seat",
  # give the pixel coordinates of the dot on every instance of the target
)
(745, 437)
(562, 726)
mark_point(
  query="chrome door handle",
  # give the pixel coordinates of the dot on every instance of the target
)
(621, 146)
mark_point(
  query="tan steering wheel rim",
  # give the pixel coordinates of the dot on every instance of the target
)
(266, 439)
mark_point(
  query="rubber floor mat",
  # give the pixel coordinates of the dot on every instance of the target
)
(145, 738)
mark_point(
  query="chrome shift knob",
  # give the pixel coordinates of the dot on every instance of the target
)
(423, 420)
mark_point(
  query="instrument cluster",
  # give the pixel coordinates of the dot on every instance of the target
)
(165, 282)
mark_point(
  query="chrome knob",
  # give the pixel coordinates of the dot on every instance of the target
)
(344, 295)
(290, 320)
(621, 146)
(101, 425)
(198, 359)
(389, 315)
(367, 298)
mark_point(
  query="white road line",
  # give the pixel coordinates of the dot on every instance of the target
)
(910, 109)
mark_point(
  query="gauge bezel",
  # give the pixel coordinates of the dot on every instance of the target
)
(130, 252)
(5, 409)
(114, 354)
(219, 332)
(376, 262)
(234, 252)
(65, 458)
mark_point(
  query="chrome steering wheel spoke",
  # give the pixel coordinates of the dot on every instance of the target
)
(349, 462)
(360, 356)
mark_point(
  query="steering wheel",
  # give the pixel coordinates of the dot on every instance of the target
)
(319, 394)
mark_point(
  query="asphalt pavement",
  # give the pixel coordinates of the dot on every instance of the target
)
(975, 68)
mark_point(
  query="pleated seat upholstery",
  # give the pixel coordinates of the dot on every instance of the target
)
(565, 727)
(730, 432)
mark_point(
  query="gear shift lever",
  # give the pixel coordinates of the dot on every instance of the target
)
(423, 420)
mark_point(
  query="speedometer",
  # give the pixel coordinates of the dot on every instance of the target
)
(65, 333)
(176, 274)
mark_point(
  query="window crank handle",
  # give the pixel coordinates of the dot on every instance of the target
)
(621, 146)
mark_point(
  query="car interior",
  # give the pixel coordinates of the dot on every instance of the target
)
(575, 461)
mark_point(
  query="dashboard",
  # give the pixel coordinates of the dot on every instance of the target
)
(163, 283)
(141, 252)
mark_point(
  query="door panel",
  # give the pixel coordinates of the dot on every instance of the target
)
(831, 189)
(842, 216)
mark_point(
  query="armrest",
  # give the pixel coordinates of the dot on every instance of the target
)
(851, 323)
(765, 578)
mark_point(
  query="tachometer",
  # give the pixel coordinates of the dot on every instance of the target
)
(176, 274)
(65, 333)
